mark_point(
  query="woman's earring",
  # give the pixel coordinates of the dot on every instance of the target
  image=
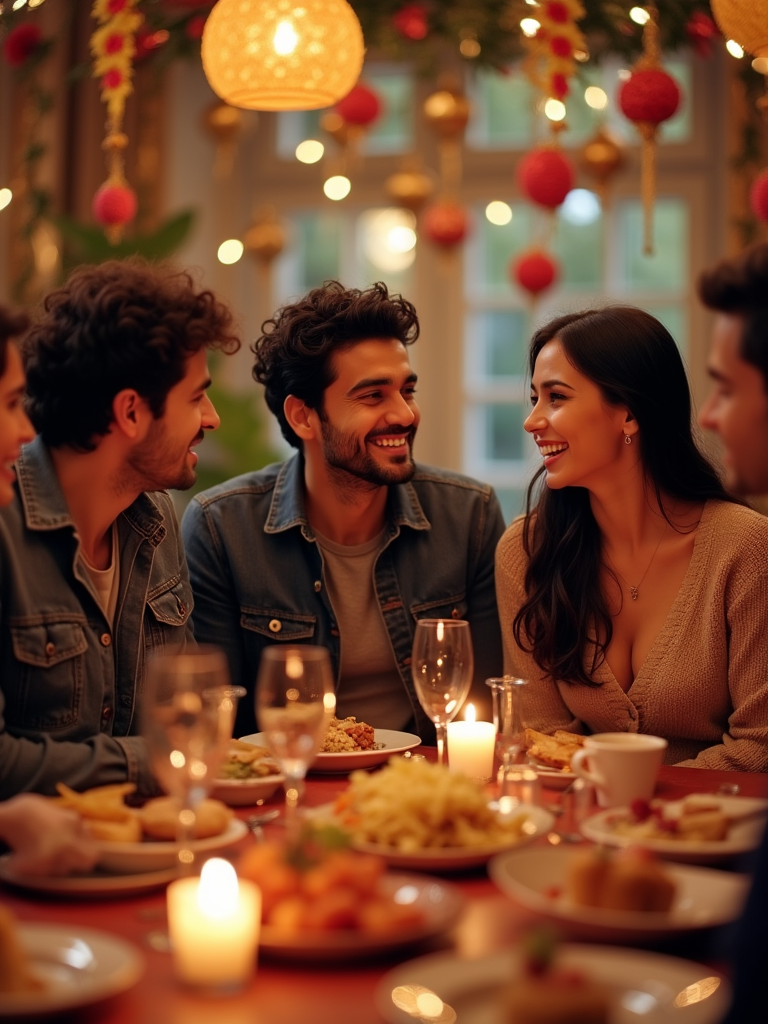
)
(627, 439)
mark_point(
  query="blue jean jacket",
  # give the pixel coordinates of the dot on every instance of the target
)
(258, 575)
(70, 682)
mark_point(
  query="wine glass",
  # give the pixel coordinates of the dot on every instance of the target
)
(187, 713)
(442, 667)
(295, 701)
(507, 695)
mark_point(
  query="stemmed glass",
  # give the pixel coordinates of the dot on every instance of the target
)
(295, 701)
(187, 713)
(507, 694)
(442, 667)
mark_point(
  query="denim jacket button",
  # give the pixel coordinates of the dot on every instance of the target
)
(106, 639)
(106, 714)
(318, 586)
(455, 614)
(275, 625)
(50, 648)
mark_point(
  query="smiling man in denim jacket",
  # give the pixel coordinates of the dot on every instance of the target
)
(92, 569)
(348, 543)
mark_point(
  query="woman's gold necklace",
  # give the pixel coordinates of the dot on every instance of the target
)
(635, 591)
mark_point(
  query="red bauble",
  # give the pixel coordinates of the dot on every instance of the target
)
(534, 271)
(360, 107)
(445, 223)
(114, 204)
(194, 27)
(546, 176)
(650, 95)
(411, 21)
(758, 196)
(701, 30)
(20, 43)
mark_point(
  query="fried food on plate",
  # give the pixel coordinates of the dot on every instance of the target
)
(15, 973)
(248, 761)
(104, 812)
(556, 750)
(159, 816)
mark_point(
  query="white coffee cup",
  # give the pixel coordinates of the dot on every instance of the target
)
(621, 765)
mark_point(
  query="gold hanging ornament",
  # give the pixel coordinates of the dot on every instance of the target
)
(601, 157)
(113, 48)
(447, 112)
(224, 124)
(649, 97)
(410, 187)
(265, 238)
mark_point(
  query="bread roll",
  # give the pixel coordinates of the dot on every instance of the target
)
(159, 817)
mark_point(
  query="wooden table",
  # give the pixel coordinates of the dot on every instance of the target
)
(291, 994)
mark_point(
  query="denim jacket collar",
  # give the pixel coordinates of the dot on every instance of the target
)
(45, 507)
(287, 508)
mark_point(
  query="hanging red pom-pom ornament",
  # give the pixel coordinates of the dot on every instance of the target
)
(546, 176)
(445, 223)
(411, 21)
(701, 30)
(535, 271)
(758, 196)
(114, 206)
(20, 44)
(649, 97)
(360, 107)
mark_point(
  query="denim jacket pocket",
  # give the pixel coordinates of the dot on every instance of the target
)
(48, 689)
(279, 626)
(442, 608)
(171, 602)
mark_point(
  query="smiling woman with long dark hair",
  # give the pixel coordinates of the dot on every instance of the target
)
(634, 593)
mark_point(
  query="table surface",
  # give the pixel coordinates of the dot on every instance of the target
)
(325, 994)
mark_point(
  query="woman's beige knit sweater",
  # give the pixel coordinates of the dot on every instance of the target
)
(704, 684)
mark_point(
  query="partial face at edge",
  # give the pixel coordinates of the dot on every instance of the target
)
(579, 435)
(15, 428)
(737, 409)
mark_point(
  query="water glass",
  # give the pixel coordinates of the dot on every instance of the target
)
(442, 667)
(507, 696)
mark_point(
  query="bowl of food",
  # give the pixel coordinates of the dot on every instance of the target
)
(249, 775)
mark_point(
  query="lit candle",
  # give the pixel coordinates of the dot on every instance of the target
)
(214, 925)
(470, 746)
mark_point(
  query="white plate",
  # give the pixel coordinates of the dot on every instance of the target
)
(96, 883)
(151, 855)
(79, 966)
(245, 792)
(742, 836)
(441, 903)
(645, 985)
(704, 898)
(459, 857)
(551, 778)
(391, 742)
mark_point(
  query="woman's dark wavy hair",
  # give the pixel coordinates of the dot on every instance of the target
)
(635, 362)
(294, 352)
(121, 324)
(12, 325)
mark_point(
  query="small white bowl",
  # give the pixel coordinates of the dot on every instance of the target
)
(244, 792)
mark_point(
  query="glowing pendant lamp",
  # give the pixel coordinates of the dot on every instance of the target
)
(282, 54)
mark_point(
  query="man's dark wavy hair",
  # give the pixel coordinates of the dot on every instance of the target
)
(12, 325)
(739, 286)
(634, 361)
(121, 324)
(293, 355)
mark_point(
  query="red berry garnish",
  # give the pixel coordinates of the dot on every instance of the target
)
(641, 809)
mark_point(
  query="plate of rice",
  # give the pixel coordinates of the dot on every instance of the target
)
(350, 744)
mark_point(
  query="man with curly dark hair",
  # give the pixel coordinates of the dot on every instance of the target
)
(92, 568)
(349, 542)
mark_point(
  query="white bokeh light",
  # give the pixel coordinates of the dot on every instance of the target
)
(596, 97)
(230, 251)
(581, 207)
(498, 212)
(310, 151)
(388, 238)
(337, 187)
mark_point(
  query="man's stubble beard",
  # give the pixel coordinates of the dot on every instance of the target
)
(154, 464)
(352, 469)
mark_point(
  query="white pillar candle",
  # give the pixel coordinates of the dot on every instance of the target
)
(470, 746)
(214, 924)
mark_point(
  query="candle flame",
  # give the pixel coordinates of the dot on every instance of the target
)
(470, 714)
(217, 894)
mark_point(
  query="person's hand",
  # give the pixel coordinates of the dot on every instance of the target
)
(45, 839)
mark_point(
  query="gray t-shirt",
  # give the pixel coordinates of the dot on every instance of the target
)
(371, 688)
